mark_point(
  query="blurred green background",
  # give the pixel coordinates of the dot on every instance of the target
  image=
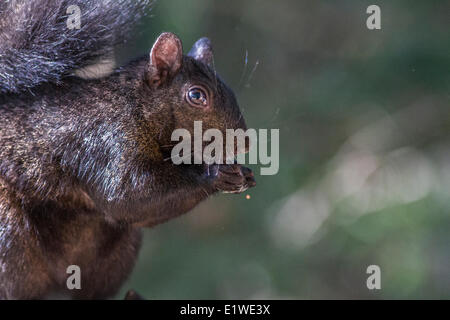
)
(364, 173)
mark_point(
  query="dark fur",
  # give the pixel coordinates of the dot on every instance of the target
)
(83, 164)
(36, 43)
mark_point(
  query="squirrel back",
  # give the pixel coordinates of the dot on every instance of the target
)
(37, 46)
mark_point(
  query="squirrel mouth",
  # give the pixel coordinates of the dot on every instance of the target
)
(212, 169)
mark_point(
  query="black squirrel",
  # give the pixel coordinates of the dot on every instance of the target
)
(83, 163)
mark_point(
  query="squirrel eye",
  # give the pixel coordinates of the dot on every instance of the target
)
(197, 96)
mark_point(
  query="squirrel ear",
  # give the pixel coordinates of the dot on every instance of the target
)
(202, 51)
(165, 58)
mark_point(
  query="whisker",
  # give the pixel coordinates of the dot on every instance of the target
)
(214, 69)
(244, 71)
(241, 115)
(168, 145)
(170, 158)
(251, 74)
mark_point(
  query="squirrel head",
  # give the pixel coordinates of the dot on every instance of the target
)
(189, 89)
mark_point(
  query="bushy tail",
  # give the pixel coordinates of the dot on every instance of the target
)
(37, 45)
